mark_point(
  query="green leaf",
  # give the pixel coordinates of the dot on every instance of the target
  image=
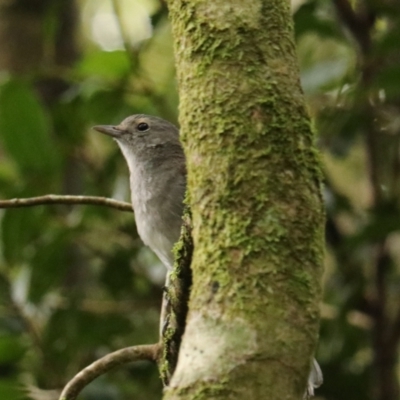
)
(388, 79)
(120, 282)
(72, 333)
(49, 264)
(106, 64)
(11, 389)
(107, 106)
(101, 329)
(19, 229)
(307, 19)
(11, 349)
(5, 290)
(25, 127)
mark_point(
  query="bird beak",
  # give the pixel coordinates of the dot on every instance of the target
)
(109, 130)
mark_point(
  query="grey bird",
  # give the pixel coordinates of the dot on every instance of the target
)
(157, 167)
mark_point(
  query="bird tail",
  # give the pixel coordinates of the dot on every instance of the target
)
(315, 379)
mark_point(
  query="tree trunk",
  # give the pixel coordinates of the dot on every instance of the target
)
(254, 186)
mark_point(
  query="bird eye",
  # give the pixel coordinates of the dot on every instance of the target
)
(142, 127)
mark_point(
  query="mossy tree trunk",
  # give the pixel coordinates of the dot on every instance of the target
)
(254, 185)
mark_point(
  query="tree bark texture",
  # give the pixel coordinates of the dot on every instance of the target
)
(254, 188)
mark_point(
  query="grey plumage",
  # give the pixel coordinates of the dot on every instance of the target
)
(157, 178)
(315, 379)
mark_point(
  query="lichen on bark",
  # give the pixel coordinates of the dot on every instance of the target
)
(254, 184)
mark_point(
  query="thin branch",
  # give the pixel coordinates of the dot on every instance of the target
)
(394, 336)
(61, 199)
(129, 354)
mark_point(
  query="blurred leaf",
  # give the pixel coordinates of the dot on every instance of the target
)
(61, 337)
(105, 64)
(70, 121)
(108, 106)
(19, 229)
(323, 75)
(307, 19)
(49, 264)
(11, 390)
(388, 79)
(338, 127)
(5, 292)
(71, 332)
(25, 128)
(117, 275)
(382, 222)
(101, 390)
(101, 329)
(11, 324)
(156, 59)
(11, 349)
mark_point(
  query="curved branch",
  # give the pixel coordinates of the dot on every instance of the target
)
(129, 354)
(66, 199)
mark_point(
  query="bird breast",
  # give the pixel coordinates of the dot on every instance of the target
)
(157, 204)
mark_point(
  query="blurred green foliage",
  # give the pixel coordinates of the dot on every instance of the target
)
(76, 282)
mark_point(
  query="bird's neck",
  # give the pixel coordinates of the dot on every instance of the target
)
(146, 178)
